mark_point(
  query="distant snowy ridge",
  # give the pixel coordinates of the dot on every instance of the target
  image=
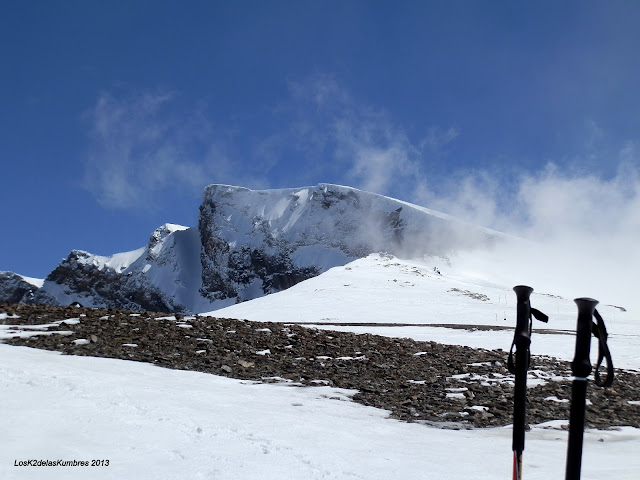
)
(249, 243)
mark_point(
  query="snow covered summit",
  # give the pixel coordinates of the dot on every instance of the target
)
(249, 243)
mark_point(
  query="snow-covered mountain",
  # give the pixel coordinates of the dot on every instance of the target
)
(249, 243)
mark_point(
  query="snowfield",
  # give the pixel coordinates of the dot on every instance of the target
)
(154, 423)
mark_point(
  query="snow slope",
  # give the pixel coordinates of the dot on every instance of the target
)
(389, 292)
(37, 282)
(154, 424)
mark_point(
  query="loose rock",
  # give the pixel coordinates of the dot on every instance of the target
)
(408, 378)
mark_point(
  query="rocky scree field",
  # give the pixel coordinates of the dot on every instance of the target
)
(441, 385)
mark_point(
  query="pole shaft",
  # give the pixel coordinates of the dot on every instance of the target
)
(520, 400)
(576, 429)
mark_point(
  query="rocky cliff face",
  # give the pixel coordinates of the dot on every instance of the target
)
(78, 279)
(248, 244)
(15, 289)
(144, 279)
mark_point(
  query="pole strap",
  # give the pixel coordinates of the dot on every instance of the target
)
(511, 365)
(600, 332)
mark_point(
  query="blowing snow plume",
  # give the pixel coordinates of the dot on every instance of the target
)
(578, 234)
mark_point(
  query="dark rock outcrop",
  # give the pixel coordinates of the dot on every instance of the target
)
(15, 289)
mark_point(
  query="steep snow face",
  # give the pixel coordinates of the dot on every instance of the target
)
(172, 264)
(262, 241)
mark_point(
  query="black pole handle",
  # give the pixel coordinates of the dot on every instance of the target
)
(522, 336)
(581, 365)
(523, 316)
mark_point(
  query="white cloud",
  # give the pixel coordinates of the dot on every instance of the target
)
(582, 230)
(438, 138)
(379, 155)
(139, 152)
(557, 204)
(341, 140)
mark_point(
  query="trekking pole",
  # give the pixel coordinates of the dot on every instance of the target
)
(521, 341)
(580, 368)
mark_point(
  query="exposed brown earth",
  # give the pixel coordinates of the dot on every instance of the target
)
(444, 385)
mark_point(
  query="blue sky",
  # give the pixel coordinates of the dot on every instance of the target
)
(519, 115)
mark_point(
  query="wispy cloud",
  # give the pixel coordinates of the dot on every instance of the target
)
(556, 202)
(438, 138)
(145, 144)
(139, 151)
(342, 140)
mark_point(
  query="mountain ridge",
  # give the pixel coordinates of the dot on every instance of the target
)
(249, 243)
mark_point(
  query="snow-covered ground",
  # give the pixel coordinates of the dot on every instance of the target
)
(153, 423)
(384, 290)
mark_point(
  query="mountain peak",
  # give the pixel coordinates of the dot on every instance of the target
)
(249, 243)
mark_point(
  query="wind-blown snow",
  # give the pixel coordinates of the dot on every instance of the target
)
(117, 262)
(151, 423)
(322, 257)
